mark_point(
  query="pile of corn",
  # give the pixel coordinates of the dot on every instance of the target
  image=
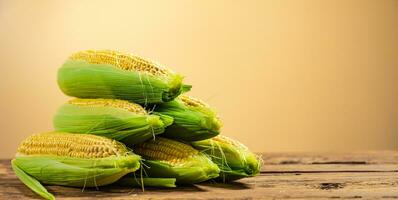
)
(129, 123)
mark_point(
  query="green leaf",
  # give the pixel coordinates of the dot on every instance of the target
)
(31, 182)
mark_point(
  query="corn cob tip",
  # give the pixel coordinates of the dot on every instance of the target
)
(191, 101)
(166, 150)
(73, 145)
(121, 60)
(116, 103)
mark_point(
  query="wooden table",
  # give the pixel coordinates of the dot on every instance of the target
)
(361, 175)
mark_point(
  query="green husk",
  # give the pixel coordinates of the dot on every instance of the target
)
(48, 158)
(194, 171)
(234, 159)
(82, 79)
(193, 167)
(115, 123)
(31, 182)
(191, 123)
(77, 172)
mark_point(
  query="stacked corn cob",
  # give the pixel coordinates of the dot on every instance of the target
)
(109, 132)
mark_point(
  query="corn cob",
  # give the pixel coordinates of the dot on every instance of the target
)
(193, 119)
(112, 118)
(233, 158)
(79, 160)
(117, 75)
(167, 158)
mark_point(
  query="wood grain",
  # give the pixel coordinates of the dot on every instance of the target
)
(360, 175)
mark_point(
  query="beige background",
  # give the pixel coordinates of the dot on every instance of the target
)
(283, 75)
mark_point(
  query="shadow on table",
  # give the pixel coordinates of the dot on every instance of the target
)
(117, 191)
(228, 185)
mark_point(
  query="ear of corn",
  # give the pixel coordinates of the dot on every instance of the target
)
(79, 160)
(116, 75)
(233, 158)
(116, 119)
(167, 158)
(193, 119)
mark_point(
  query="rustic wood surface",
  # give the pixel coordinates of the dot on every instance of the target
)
(361, 175)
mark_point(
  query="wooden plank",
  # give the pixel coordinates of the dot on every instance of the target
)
(365, 175)
(371, 161)
(351, 158)
(373, 185)
(3, 167)
(302, 168)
